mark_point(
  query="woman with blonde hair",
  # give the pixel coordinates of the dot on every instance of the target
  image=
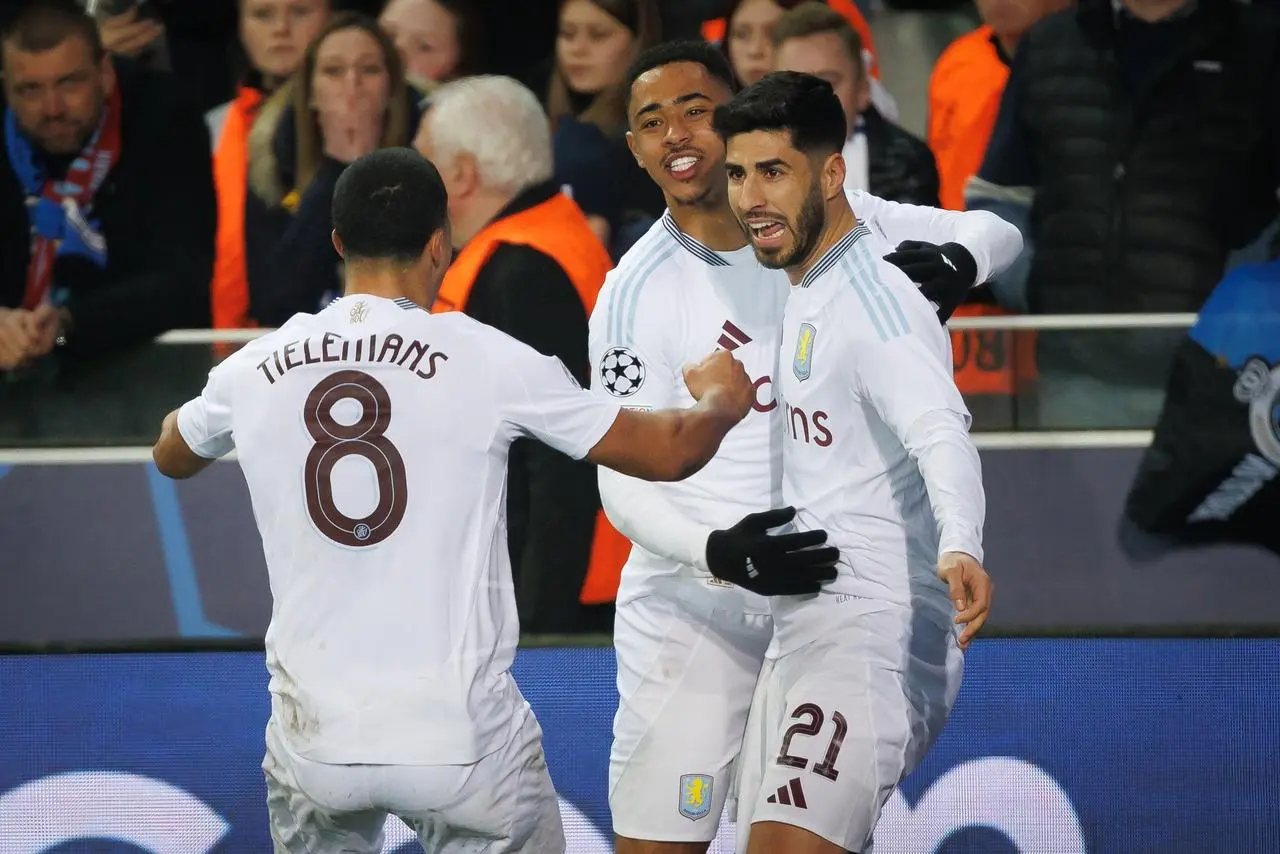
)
(348, 99)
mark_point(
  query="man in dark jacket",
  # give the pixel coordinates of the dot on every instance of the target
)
(107, 209)
(881, 158)
(1142, 135)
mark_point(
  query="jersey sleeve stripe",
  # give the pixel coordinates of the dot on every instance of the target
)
(632, 263)
(627, 333)
(856, 279)
(884, 295)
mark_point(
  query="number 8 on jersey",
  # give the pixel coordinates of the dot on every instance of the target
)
(335, 441)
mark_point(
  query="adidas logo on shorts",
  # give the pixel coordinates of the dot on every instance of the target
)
(790, 795)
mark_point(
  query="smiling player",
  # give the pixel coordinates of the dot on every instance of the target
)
(693, 614)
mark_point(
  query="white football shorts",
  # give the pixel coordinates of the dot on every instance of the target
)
(686, 676)
(837, 724)
(502, 804)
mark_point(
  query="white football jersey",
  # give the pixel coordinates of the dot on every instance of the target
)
(670, 302)
(373, 437)
(866, 379)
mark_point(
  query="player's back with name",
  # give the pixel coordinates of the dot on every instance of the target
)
(376, 465)
(332, 347)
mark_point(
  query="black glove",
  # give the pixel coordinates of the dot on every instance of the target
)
(944, 273)
(771, 564)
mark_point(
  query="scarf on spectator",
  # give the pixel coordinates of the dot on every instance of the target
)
(57, 209)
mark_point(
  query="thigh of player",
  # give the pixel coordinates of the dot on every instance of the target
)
(685, 681)
(503, 804)
(299, 822)
(838, 724)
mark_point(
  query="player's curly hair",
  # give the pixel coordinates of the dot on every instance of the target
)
(800, 104)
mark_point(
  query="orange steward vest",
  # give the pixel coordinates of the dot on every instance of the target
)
(992, 361)
(558, 228)
(230, 287)
(964, 98)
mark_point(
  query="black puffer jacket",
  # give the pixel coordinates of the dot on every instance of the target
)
(900, 167)
(1150, 170)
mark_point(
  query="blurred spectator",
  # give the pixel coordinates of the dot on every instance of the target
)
(189, 38)
(106, 195)
(881, 158)
(348, 98)
(528, 264)
(965, 89)
(132, 29)
(1144, 133)
(746, 36)
(274, 35)
(438, 40)
(587, 105)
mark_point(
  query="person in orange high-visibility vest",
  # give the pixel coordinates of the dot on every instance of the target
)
(530, 265)
(274, 39)
(965, 88)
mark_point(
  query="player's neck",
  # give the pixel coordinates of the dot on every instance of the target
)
(376, 280)
(840, 222)
(714, 225)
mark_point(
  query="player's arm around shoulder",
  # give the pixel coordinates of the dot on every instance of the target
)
(198, 432)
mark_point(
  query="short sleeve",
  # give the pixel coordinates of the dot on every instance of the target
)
(205, 422)
(549, 405)
(627, 343)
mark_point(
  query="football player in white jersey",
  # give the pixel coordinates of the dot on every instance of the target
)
(374, 438)
(692, 627)
(860, 677)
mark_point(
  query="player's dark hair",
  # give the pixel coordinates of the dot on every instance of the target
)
(387, 205)
(699, 52)
(800, 104)
(36, 26)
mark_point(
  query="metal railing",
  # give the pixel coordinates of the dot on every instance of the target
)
(1053, 322)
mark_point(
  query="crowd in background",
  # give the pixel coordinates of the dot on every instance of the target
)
(183, 177)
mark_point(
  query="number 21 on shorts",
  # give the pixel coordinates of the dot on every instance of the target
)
(809, 719)
(335, 441)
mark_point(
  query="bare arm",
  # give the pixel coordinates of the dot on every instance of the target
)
(669, 444)
(173, 457)
(198, 432)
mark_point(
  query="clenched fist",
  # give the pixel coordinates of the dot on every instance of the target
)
(722, 375)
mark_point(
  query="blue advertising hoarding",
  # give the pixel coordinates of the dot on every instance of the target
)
(151, 559)
(1057, 746)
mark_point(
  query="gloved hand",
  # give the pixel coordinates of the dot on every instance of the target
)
(944, 273)
(771, 564)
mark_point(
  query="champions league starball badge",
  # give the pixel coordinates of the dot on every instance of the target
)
(621, 371)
